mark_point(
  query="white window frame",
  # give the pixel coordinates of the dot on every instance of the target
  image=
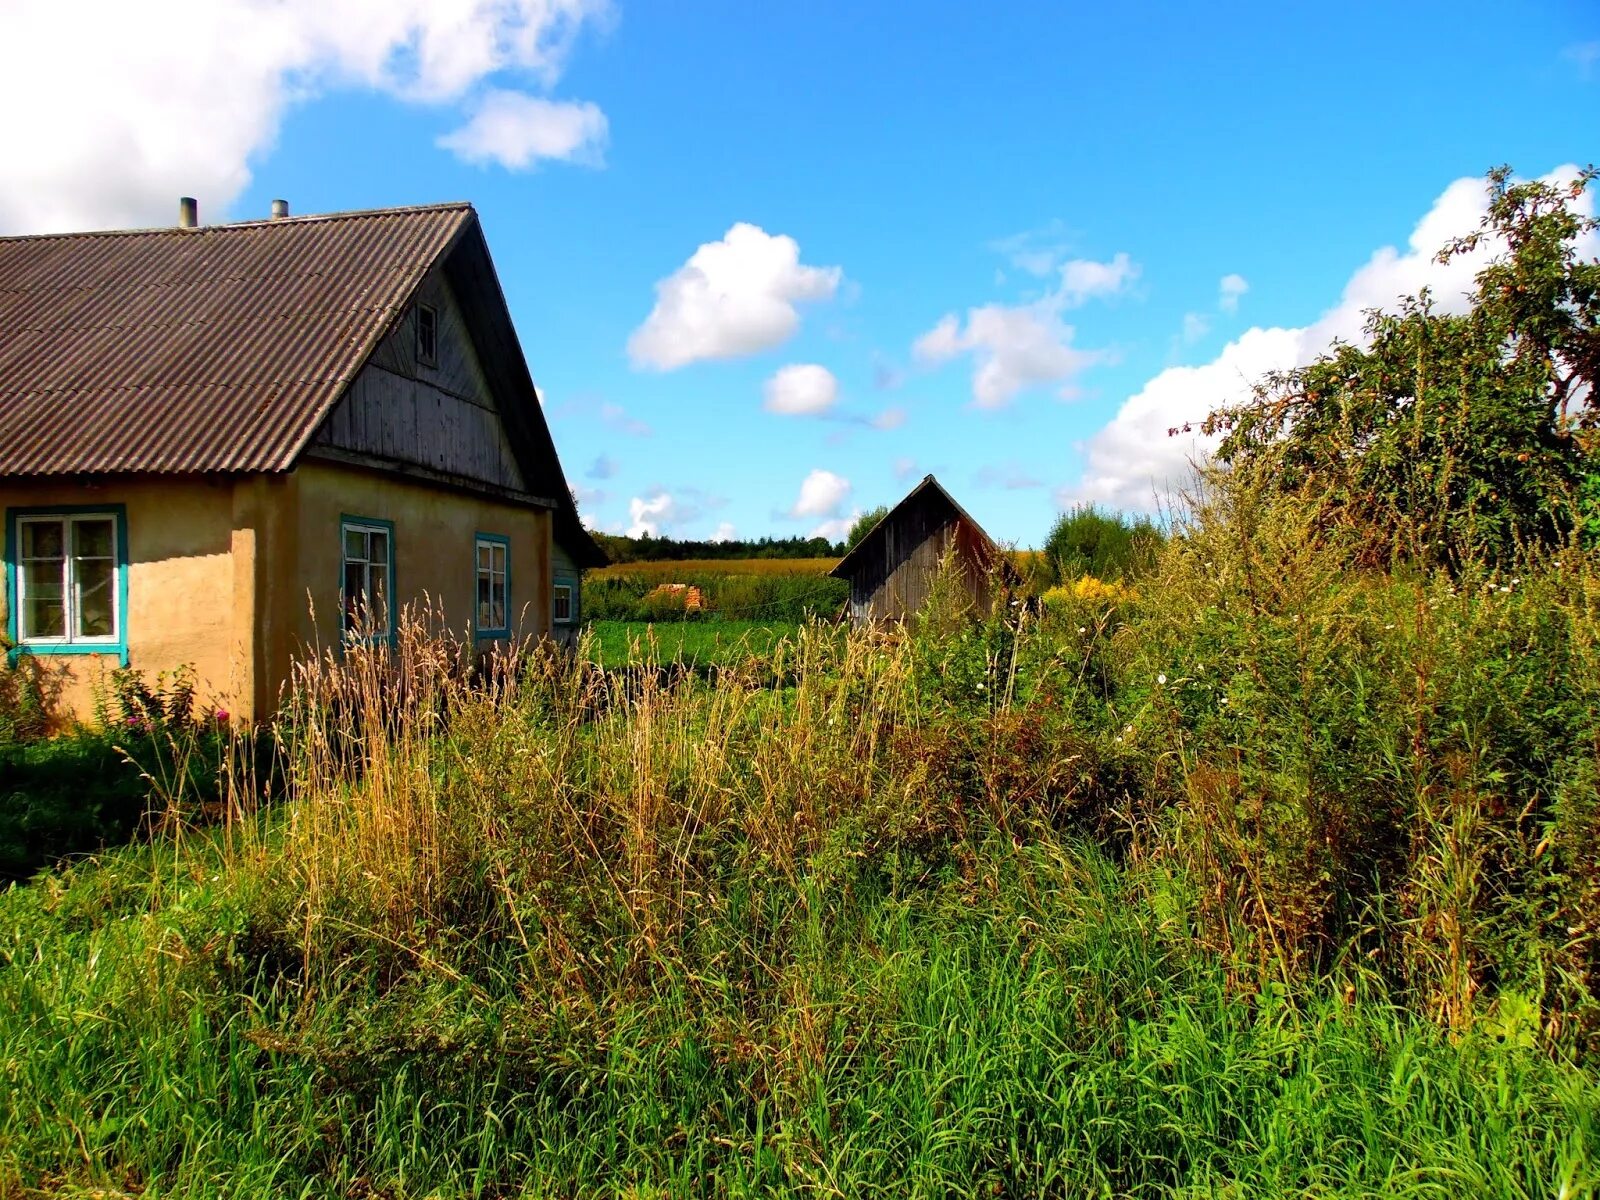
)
(69, 583)
(495, 544)
(555, 593)
(367, 525)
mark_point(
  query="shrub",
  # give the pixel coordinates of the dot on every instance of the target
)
(1088, 542)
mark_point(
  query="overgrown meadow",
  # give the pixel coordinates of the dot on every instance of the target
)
(1270, 870)
(1266, 878)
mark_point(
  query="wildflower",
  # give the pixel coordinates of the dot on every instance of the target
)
(1161, 679)
(1083, 629)
(222, 716)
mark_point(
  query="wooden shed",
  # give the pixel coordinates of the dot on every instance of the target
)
(892, 570)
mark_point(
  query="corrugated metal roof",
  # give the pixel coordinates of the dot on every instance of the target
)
(220, 348)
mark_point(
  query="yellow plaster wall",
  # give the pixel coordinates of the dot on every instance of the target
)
(224, 577)
(181, 587)
(433, 547)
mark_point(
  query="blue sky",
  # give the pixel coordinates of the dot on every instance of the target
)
(991, 245)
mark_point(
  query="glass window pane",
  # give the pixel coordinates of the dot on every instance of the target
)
(43, 539)
(500, 559)
(93, 539)
(378, 596)
(355, 585)
(43, 615)
(485, 556)
(497, 613)
(355, 545)
(92, 583)
(378, 547)
(483, 603)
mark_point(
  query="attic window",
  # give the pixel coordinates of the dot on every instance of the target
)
(427, 334)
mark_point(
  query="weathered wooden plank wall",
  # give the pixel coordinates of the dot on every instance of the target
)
(896, 581)
(440, 416)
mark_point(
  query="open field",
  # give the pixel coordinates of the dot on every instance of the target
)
(692, 643)
(677, 571)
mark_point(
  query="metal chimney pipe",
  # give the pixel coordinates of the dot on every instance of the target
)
(280, 209)
(188, 212)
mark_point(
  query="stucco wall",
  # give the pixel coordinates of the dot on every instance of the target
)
(434, 550)
(225, 577)
(181, 586)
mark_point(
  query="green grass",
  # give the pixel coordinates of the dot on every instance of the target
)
(693, 643)
(1024, 1025)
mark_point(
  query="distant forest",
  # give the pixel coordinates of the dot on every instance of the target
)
(620, 549)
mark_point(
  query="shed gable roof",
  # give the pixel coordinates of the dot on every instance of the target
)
(929, 490)
(220, 348)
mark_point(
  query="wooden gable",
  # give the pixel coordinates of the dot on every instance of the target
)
(440, 418)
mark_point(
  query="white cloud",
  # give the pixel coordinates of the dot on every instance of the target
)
(139, 103)
(1132, 462)
(649, 515)
(733, 297)
(904, 467)
(1229, 289)
(801, 389)
(1015, 347)
(889, 418)
(835, 529)
(1083, 279)
(725, 532)
(517, 130)
(821, 494)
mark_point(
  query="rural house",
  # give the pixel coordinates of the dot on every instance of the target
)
(210, 433)
(892, 569)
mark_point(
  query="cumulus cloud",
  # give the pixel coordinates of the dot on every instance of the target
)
(1229, 289)
(1132, 462)
(149, 101)
(649, 515)
(724, 532)
(835, 529)
(516, 130)
(733, 297)
(1016, 347)
(801, 389)
(1012, 347)
(822, 493)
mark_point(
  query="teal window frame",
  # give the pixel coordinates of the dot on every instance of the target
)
(571, 583)
(390, 636)
(13, 553)
(490, 539)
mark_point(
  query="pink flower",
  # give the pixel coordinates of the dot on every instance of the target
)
(222, 716)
